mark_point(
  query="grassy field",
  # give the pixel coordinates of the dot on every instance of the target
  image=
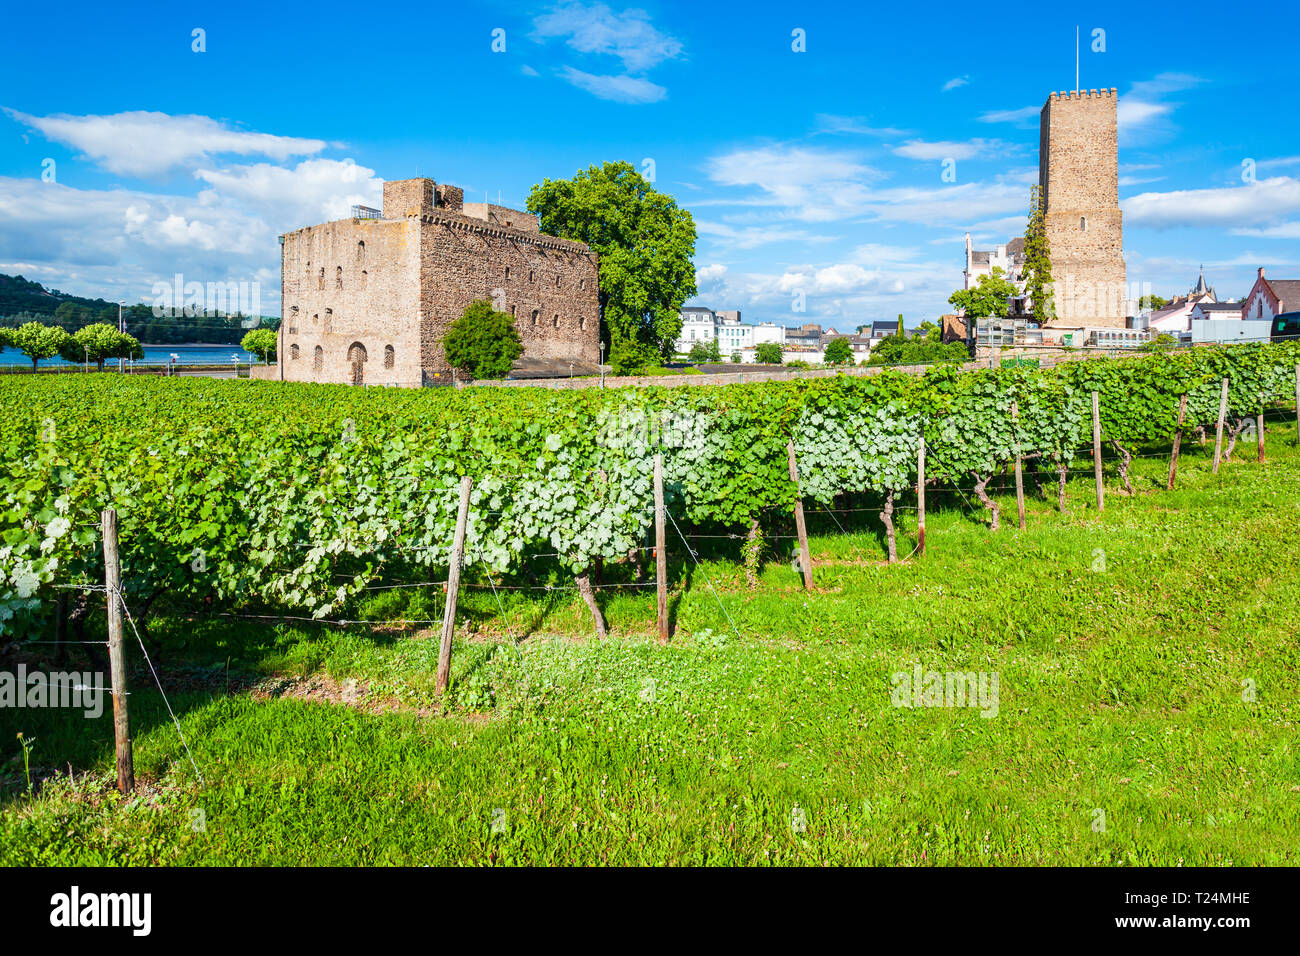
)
(1148, 690)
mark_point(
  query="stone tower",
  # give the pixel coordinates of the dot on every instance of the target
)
(1078, 172)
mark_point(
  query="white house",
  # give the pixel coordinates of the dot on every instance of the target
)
(724, 327)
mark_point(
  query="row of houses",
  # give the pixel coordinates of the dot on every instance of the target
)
(1199, 317)
(737, 339)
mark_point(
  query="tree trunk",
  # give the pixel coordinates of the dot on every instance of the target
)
(887, 516)
(981, 492)
(1062, 472)
(1241, 425)
(1125, 458)
(589, 596)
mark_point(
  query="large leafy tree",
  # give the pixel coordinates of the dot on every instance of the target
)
(1037, 270)
(988, 298)
(645, 242)
(839, 352)
(483, 342)
(38, 341)
(768, 353)
(99, 342)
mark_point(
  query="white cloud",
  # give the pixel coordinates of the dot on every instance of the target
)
(955, 82)
(316, 190)
(920, 149)
(831, 123)
(1261, 204)
(750, 237)
(1011, 116)
(145, 144)
(1143, 113)
(620, 89)
(595, 28)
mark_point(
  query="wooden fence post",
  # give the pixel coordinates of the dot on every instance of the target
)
(661, 551)
(1218, 430)
(1259, 430)
(1020, 471)
(1096, 451)
(1297, 403)
(116, 658)
(800, 527)
(1178, 440)
(453, 587)
(920, 498)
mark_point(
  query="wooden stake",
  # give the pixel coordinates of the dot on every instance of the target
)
(661, 550)
(1297, 403)
(453, 587)
(920, 498)
(116, 656)
(1218, 431)
(1096, 451)
(1178, 440)
(1020, 471)
(1259, 430)
(801, 529)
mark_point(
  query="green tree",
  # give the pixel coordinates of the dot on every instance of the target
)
(839, 352)
(988, 298)
(98, 342)
(901, 331)
(1037, 271)
(483, 343)
(645, 242)
(892, 350)
(261, 342)
(1152, 302)
(769, 353)
(38, 341)
(705, 352)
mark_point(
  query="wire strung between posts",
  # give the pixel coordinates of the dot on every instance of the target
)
(127, 611)
(487, 571)
(707, 579)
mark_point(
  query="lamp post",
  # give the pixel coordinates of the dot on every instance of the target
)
(121, 327)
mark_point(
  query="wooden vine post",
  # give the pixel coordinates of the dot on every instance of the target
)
(1297, 403)
(1096, 451)
(920, 498)
(661, 551)
(1020, 470)
(453, 586)
(1218, 428)
(800, 527)
(116, 657)
(1178, 440)
(1259, 431)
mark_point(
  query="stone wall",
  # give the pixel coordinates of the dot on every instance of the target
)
(369, 301)
(1079, 178)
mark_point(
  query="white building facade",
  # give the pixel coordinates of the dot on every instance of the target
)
(700, 325)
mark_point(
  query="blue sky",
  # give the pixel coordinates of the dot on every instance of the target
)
(815, 171)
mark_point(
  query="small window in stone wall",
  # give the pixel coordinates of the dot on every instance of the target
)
(556, 321)
(338, 277)
(390, 356)
(582, 283)
(365, 278)
(557, 282)
(1083, 223)
(293, 352)
(507, 272)
(534, 316)
(582, 322)
(530, 275)
(320, 281)
(318, 359)
(361, 252)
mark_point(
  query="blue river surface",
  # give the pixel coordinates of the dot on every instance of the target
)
(153, 355)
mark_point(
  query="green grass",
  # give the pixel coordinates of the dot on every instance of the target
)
(1120, 690)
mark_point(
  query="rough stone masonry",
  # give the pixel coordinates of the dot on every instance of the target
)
(368, 301)
(1078, 170)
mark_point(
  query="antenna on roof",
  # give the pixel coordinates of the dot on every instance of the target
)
(1076, 58)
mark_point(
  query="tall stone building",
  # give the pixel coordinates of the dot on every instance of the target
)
(1078, 172)
(368, 300)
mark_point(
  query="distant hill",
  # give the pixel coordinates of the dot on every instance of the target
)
(22, 300)
(22, 295)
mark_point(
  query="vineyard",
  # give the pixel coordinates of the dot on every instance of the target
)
(298, 499)
(286, 546)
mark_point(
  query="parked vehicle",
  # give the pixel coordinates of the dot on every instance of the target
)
(1286, 327)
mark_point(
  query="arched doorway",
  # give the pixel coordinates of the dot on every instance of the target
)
(357, 359)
